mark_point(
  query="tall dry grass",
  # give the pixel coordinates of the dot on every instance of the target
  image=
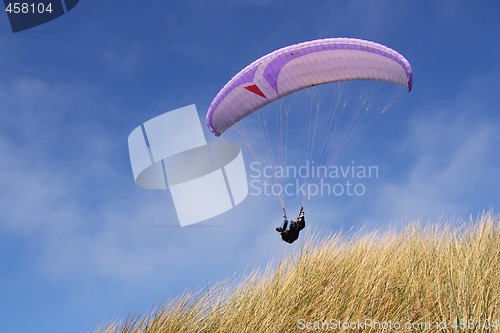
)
(432, 279)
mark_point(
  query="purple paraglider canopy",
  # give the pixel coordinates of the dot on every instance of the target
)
(300, 66)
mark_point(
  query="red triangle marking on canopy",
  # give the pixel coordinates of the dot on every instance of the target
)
(253, 88)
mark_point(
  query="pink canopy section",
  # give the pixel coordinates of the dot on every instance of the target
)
(300, 66)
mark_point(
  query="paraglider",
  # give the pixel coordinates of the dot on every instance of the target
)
(291, 234)
(297, 67)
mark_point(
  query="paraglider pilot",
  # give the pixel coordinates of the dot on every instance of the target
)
(292, 234)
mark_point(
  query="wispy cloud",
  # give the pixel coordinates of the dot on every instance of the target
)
(453, 149)
(92, 225)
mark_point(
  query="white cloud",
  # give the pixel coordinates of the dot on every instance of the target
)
(454, 173)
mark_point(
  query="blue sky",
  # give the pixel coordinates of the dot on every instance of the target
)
(81, 244)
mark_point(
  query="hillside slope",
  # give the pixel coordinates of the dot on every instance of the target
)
(437, 279)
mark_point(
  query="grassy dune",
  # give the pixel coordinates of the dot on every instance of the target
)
(439, 279)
